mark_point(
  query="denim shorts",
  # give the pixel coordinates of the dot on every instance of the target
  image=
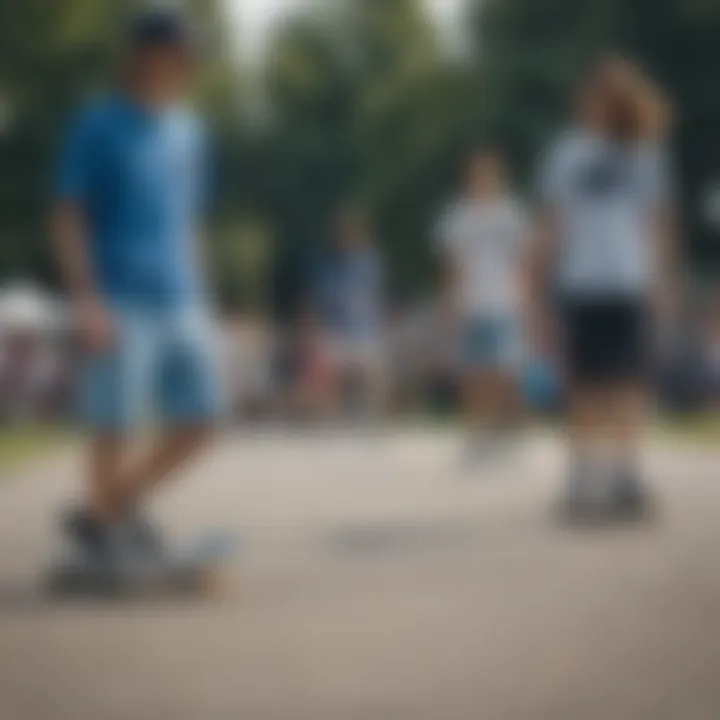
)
(491, 342)
(162, 367)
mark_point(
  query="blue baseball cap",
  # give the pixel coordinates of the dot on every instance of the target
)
(162, 27)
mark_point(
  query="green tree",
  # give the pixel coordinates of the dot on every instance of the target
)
(363, 107)
(530, 53)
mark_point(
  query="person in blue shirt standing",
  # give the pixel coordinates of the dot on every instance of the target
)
(129, 198)
(348, 298)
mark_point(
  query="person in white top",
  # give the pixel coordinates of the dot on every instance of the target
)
(481, 238)
(603, 237)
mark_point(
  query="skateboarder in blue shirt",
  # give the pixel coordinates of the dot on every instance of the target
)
(128, 202)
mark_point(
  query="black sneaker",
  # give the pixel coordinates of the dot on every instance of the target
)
(143, 537)
(95, 542)
(630, 499)
(578, 502)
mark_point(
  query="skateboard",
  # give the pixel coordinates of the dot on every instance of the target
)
(199, 570)
(604, 514)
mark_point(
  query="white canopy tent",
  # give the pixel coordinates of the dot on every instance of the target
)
(26, 307)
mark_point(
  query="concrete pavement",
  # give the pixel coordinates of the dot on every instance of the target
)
(378, 580)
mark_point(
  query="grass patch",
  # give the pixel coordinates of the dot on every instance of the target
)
(19, 446)
(703, 428)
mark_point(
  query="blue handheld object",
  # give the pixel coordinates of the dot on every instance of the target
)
(541, 386)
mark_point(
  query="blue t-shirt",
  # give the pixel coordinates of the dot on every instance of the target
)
(348, 292)
(140, 178)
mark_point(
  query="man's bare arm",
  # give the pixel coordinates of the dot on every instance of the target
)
(70, 243)
(451, 290)
(538, 262)
(667, 282)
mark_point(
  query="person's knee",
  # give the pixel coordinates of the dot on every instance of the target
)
(196, 435)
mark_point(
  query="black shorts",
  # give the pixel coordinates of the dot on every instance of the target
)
(606, 340)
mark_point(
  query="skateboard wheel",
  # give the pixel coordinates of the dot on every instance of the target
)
(213, 582)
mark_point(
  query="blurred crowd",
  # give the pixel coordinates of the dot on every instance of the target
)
(418, 368)
(410, 364)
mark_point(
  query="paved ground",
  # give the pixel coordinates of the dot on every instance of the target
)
(379, 582)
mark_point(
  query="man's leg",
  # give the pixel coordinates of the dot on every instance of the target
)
(106, 465)
(509, 398)
(92, 526)
(474, 401)
(478, 417)
(628, 408)
(492, 392)
(504, 404)
(113, 388)
(626, 423)
(585, 432)
(512, 401)
(371, 372)
(588, 361)
(188, 396)
(169, 454)
(117, 487)
(473, 388)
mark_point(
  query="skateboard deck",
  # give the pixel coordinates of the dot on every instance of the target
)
(201, 569)
(602, 514)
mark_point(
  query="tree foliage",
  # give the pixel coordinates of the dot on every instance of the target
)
(52, 56)
(361, 102)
